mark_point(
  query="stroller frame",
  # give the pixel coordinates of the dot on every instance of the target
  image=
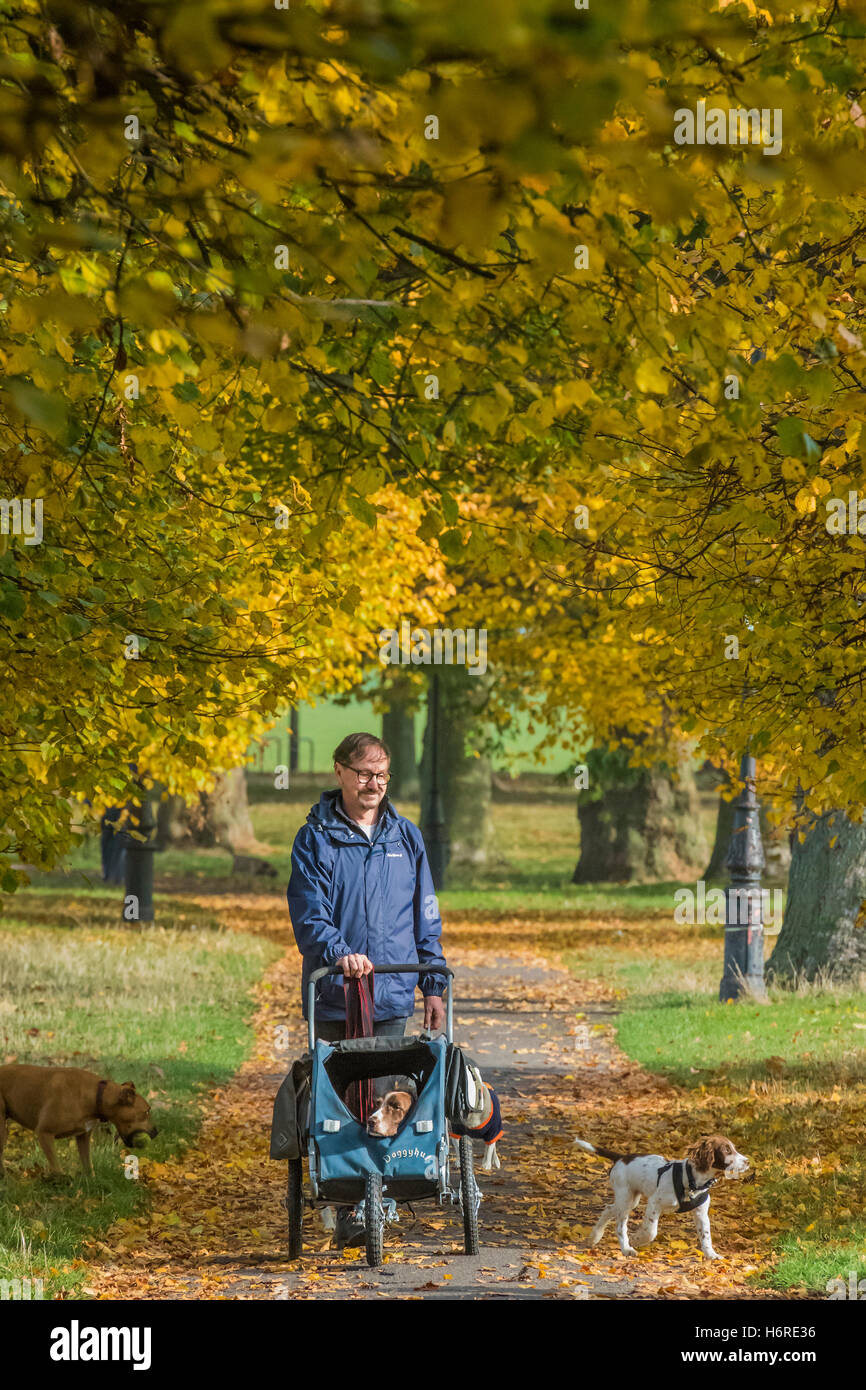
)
(348, 1165)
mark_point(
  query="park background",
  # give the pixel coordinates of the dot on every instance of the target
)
(326, 318)
(783, 1079)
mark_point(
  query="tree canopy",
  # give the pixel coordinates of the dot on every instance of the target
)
(322, 316)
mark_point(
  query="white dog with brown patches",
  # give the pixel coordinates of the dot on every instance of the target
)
(392, 1111)
(681, 1185)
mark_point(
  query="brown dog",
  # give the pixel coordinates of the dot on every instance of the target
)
(59, 1102)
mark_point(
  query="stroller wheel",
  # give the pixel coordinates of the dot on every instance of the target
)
(295, 1208)
(469, 1197)
(374, 1219)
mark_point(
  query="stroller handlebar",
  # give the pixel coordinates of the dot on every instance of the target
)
(432, 967)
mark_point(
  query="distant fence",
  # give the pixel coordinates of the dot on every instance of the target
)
(274, 750)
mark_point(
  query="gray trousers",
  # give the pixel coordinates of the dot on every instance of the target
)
(334, 1029)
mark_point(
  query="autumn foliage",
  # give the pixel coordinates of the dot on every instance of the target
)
(316, 318)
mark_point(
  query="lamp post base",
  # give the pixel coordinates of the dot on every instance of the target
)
(743, 974)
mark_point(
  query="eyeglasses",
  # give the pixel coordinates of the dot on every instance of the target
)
(383, 778)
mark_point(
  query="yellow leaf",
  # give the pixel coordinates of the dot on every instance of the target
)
(805, 500)
(650, 377)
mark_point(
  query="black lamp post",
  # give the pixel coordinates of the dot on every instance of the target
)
(744, 925)
(294, 741)
(139, 863)
(435, 834)
(113, 847)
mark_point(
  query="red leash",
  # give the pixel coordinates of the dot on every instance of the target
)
(359, 1024)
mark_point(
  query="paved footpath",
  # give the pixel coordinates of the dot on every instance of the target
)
(545, 1041)
(511, 1021)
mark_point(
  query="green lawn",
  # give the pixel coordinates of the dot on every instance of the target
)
(176, 986)
(165, 1007)
(792, 1073)
(324, 725)
(537, 845)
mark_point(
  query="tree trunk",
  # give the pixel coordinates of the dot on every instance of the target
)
(221, 818)
(398, 731)
(716, 869)
(824, 931)
(642, 823)
(465, 781)
(227, 813)
(172, 822)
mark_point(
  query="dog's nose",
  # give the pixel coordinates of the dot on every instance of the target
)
(154, 1132)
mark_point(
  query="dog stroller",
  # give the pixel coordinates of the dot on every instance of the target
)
(345, 1163)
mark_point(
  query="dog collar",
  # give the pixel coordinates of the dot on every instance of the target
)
(100, 1092)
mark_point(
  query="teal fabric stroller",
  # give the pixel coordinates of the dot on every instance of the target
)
(345, 1163)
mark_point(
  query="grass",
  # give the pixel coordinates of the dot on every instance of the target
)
(789, 1073)
(323, 725)
(166, 1007)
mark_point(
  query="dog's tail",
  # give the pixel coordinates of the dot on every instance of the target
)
(594, 1149)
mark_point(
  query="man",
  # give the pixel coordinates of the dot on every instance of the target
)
(361, 892)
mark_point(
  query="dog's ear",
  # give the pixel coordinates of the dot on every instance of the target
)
(702, 1155)
(127, 1093)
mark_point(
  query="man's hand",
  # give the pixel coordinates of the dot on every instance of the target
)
(355, 967)
(434, 1012)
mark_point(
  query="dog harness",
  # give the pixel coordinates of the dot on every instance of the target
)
(681, 1169)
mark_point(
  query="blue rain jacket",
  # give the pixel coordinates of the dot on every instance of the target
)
(349, 895)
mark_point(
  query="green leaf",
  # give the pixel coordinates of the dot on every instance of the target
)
(361, 509)
(11, 600)
(44, 411)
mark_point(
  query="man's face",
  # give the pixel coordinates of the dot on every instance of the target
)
(357, 798)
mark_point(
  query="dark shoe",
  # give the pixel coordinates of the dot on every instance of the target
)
(349, 1230)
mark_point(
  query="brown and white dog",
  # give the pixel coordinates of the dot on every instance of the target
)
(392, 1111)
(683, 1185)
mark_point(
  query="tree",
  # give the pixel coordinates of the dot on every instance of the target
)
(638, 823)
(464, 771)
(398, 731)
(824, 929)
(348, 270)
